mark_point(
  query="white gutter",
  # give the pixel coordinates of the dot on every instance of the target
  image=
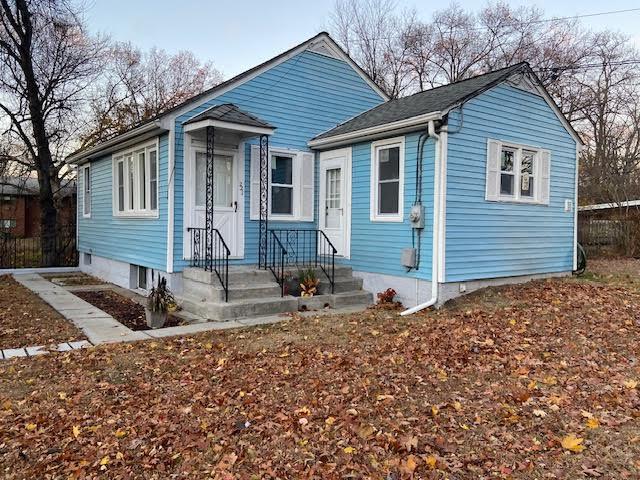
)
(437, 208)
(150, 129)
(386, 130)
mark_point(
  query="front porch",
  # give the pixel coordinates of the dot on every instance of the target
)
(215, 286)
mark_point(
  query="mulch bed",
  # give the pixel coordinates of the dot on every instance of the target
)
(26, 320)
(129, 313)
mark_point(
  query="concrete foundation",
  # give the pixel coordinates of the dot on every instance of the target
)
(412, 291)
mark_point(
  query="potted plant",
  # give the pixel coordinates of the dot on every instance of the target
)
(308, 282)
(159, 302)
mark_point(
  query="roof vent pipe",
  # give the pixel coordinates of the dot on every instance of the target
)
(437, 200)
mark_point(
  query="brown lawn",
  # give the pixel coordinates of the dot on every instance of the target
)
(26, 320)
(534, 381)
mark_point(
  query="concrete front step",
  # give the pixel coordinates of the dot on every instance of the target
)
(215, 293)
(342, 285)
(233, 310)
(238, 274)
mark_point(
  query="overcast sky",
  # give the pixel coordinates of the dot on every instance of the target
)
(236, 35)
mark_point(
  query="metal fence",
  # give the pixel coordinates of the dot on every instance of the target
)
(18, 252)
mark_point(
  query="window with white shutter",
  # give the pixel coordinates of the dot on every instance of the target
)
(517, 173)
(291, 185)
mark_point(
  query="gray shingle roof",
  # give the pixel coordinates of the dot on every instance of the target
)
(228, 112)
(433, 100)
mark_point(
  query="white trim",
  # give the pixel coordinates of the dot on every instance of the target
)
(170, 196)
(151, 129)
(347, 173)
(365, 133)
(537, 173)
(86, 168)
(374, 216)
(120, 156)
(442, 212)
(234, 127)
(575, 211)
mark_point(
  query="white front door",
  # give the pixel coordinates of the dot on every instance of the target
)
(225, 191)
(335, 193)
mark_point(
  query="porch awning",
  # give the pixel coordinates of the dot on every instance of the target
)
(229, 117)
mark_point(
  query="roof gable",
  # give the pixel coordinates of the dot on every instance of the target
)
(321, 44)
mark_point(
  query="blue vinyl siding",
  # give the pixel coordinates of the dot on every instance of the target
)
(141, 241)
(376, 246)
(496, 239)
(301, 97)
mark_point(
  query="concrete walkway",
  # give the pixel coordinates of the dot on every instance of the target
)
(100, 327)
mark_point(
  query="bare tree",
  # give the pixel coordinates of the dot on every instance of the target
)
(372, 34)
(136, 86)
(47, 60)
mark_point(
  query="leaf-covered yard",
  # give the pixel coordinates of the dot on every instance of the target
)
(26, 320)
(533, 381)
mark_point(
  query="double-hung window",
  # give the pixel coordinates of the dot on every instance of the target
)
(290, 175)
(387, 180)
(86, 191)
(282, 184)
(135, 181)
(517, 173)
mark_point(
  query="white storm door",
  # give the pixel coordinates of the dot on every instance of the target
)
(334, 204)
(225, 204)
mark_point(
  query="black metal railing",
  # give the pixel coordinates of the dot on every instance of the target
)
(276, 259)
(301, 248)
(21, 252)
(215, 258)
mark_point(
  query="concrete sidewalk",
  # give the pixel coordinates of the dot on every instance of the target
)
(98, 326)
(102, 328)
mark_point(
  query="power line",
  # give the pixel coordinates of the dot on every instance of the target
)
(531, 22)
(588, 65)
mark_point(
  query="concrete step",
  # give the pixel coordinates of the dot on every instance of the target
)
(351, 299)
(215, 293)
(220, 311)
(238, 274)
(342, 285)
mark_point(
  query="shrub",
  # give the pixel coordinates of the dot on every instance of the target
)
(387, 296)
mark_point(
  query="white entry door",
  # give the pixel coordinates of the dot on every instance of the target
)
(335, 196)
(225, 203)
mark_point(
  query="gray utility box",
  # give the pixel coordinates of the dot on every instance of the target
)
(408, 257)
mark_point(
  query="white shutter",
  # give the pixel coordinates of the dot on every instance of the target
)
(307, 170)
(254, 188)
(493, 170)
(545, 176)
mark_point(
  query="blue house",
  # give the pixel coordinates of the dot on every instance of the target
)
(303, 161)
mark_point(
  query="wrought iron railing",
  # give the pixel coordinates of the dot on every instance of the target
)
(301, 247)
(276, 259)
(211, 253)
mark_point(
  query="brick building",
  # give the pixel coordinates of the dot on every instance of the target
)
(20, 207)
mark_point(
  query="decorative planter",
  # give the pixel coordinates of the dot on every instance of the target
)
(155, 319)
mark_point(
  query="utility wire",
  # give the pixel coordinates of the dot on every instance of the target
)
(524, 23)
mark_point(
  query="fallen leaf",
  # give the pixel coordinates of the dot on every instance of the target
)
(348, 450)
(593, 422)
(30, 427)
(572, 443)
(540, 413)
(120, 433)
(76, 431)
(431, 462)
(105, 460)
(630, 384)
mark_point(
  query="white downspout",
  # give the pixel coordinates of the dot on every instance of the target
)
(435, 248)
